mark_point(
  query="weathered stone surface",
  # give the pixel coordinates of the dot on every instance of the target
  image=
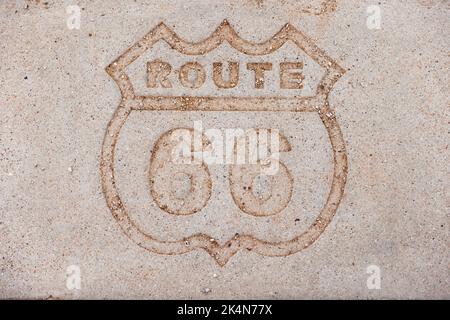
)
(360, 105)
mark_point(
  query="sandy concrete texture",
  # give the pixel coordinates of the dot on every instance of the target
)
(90, 209)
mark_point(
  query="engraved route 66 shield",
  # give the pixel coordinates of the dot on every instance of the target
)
(223, 81)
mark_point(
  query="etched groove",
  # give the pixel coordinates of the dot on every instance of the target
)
(318, 103)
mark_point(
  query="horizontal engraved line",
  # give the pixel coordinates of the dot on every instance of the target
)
(300, 104)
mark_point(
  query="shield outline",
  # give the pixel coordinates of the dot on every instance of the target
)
(318, 103)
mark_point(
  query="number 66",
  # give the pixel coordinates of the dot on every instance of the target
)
(260, 184)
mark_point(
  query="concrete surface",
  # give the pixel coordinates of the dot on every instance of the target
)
(60, 239)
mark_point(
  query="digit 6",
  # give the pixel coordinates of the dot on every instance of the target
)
(248, 180)
(179, 183)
